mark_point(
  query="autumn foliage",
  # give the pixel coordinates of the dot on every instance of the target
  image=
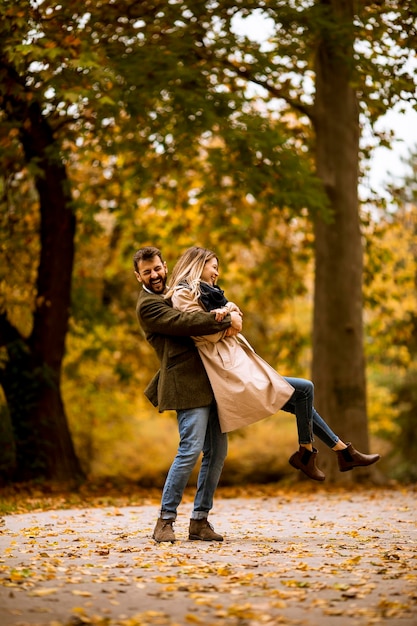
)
(123, 124)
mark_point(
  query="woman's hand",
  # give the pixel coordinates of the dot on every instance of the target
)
(236, 316)
(220, 314)
(231, 306)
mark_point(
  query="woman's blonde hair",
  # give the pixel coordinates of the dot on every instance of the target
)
(188, 270)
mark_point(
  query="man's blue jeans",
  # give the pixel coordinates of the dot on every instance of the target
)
(199, 431)
(308, 420)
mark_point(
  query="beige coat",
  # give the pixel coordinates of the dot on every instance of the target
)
(247, 389)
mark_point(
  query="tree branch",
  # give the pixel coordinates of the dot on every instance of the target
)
(277, 92)
(248, 74)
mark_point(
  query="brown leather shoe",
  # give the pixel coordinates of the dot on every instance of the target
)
(350, 458)
(163, 530)
(305, 460)
(202, 530)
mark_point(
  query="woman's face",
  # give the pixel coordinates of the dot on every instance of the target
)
(210, 272)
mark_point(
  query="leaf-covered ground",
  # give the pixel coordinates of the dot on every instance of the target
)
(309, 556)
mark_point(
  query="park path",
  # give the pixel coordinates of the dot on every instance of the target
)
(312, 559)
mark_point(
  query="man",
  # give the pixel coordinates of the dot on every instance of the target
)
(182, 384)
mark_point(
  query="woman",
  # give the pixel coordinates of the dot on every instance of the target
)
(246, 388)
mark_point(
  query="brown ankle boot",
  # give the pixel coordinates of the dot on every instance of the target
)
(305, 461)
(202, 530)
(163, 530)
(350, 458)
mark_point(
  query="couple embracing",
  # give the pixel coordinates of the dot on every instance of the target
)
(214, 380)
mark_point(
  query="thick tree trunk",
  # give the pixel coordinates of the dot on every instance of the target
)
(338, 351)
(31, 378)
(42, 443)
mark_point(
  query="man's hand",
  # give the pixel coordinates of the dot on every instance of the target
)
(236, 316)
(220, 314)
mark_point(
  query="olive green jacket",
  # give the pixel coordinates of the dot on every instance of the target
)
(181, 382)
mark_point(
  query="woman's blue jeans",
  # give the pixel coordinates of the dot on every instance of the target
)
(199, 431)
(308, 420)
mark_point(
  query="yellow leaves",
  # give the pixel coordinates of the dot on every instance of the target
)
(340, 586)
(391, 556)
(334, 611)
(18, 575)
(273, 567)
(391, 609)
(115, 512)
(302, 566)
(163, 580)
(353, 561)
(206, 599)
(79, 592)
(80, 612)
(32, 532)
(279, 604)
(193, 619)
(45, 591)
(146, 618)
(295, 583)
(244, 611)
(351, 593)
(285, 594)
(411, 577)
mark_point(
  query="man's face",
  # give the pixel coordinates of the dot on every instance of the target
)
(153, 274)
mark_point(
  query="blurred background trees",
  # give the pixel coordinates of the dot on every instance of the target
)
(125, 124)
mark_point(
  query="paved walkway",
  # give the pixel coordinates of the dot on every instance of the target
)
(309, 559)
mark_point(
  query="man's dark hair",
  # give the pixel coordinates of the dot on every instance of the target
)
(145, 254)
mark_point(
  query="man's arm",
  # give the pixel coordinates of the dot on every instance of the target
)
(156, 315)
(185, 301)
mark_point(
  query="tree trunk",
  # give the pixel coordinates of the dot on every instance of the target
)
(338, 351)
(32, 375)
